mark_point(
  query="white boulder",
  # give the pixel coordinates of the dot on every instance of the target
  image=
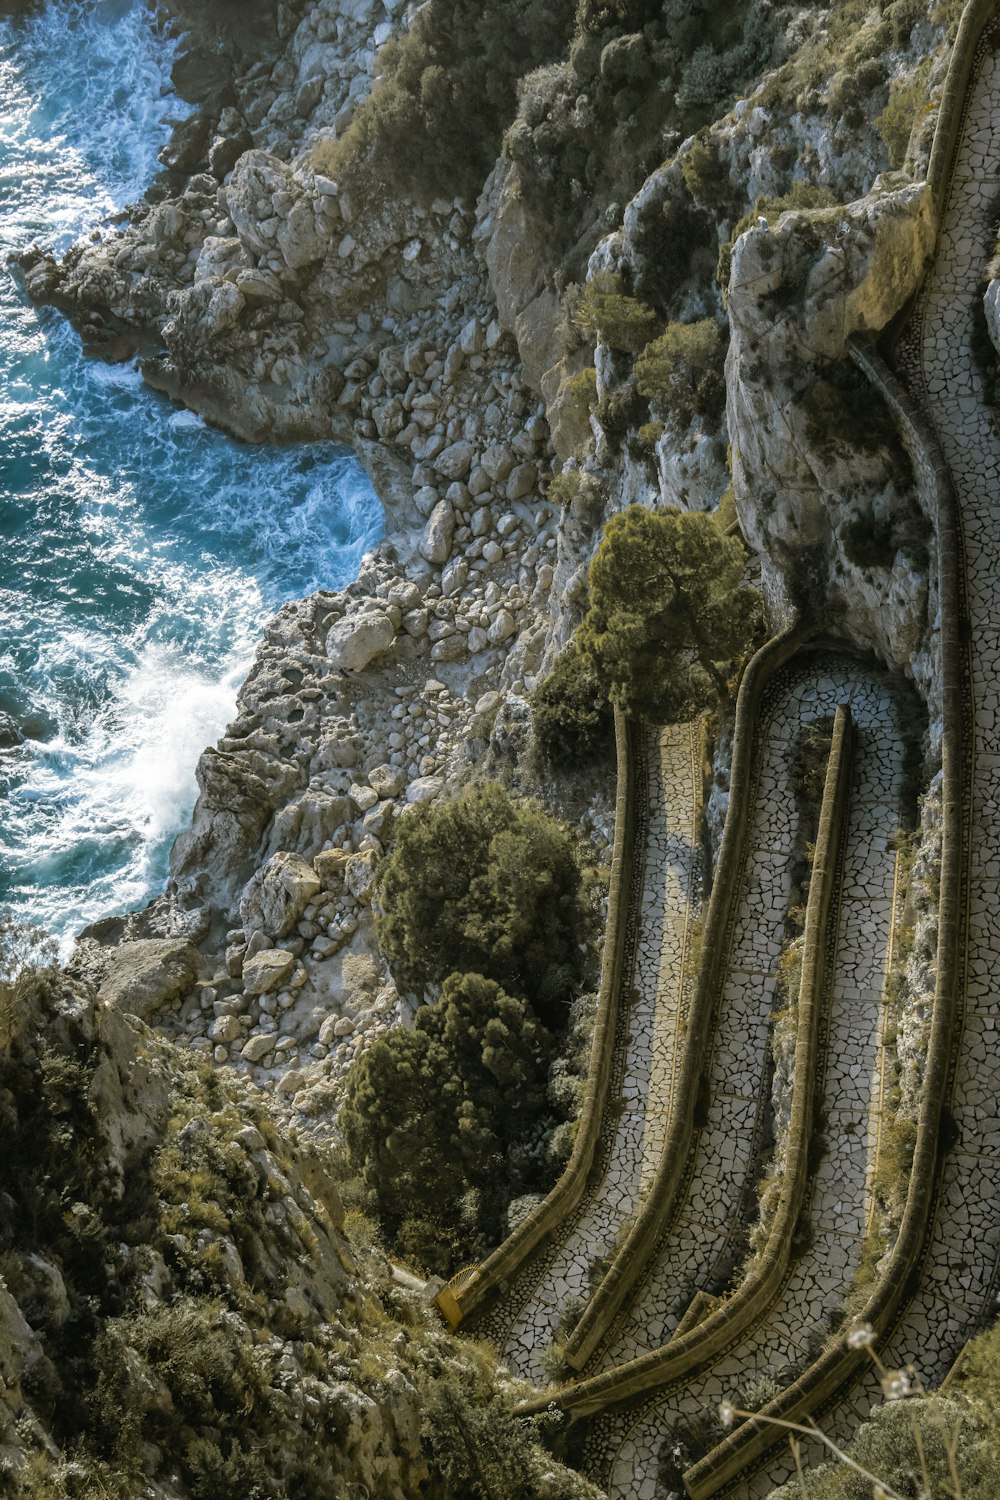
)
(275, 896)
(353, 642)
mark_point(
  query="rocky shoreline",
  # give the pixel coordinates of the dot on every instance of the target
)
(431, 337)
(368, 701)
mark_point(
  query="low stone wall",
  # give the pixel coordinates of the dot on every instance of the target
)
(837, 1366)
(975, 18)
(468, 1291)
(696, 1347)
(631, 1259)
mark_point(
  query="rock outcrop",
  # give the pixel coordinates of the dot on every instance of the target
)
(823, 491)
(144, 977)
(231, 1327)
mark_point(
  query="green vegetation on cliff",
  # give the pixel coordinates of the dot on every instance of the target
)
(448, 1122)
(669, 618)
(485, 897)
(448, 88)
(488, 885)
(180, 1311)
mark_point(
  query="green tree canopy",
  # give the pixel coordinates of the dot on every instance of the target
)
(668, 616)
(572, 716)
(428, 1114)
(607, 313)
(680, 373)
(489, 885)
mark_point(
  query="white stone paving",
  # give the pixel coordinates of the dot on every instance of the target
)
(657, 1007)
(700, 1243)
(819, 1279)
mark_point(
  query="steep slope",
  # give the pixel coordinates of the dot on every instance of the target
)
(181, 1312)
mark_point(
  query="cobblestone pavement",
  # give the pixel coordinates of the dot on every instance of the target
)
(959, 1281)
(837, 1209)
(649, 1039)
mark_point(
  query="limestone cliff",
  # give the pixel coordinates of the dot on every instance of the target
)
(734, 177)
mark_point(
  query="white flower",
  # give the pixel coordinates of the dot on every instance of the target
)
(727, 1413)
(896, 1385)
(861, 1336)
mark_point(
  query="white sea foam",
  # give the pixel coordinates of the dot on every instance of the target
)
(140, 552)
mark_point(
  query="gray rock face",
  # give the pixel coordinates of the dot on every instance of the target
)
(267, 970)
(298, 239)
(796, 486)
(221, 257)
(991, 306)
(256, 177)
(438, 534)
(359, 875)
(143, 977)
(423, 789)
(256, 1047)
(356, 640)
(225, 1029)
(455, 461)
(387, 781)
(274, 898)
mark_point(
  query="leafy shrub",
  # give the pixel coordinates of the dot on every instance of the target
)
(706, 175)
(666, 236)
(895, 123)
(596, 16)
(906, 1447)
(853, 89)
(619, 410)
(680, 373)
(571, 714)
(705, 82)
(416, 129)
(712, 74)
(488, 885)
(609, 315)
(625, 60)
(668, 616)
(583, 388)
(649, 434)
(22, 946)
(902, 16)
(428, 1122)
(484, 1452)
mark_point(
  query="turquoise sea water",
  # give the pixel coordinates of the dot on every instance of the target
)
(140, 552)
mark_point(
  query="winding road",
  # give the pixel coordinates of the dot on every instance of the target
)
(650, 1034)
(646, 1447)
(821, 1275)
(960, 1278)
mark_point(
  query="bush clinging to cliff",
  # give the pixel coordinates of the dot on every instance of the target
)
(488, 885)
(609, 315)
(429, 1122)
(571, 713)
(668, 616)
(448, 89)
(680, 373)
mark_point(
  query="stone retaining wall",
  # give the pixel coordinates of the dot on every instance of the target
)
(948, 131)
(628, 1264)
(698, 1346)
(468, 1291)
